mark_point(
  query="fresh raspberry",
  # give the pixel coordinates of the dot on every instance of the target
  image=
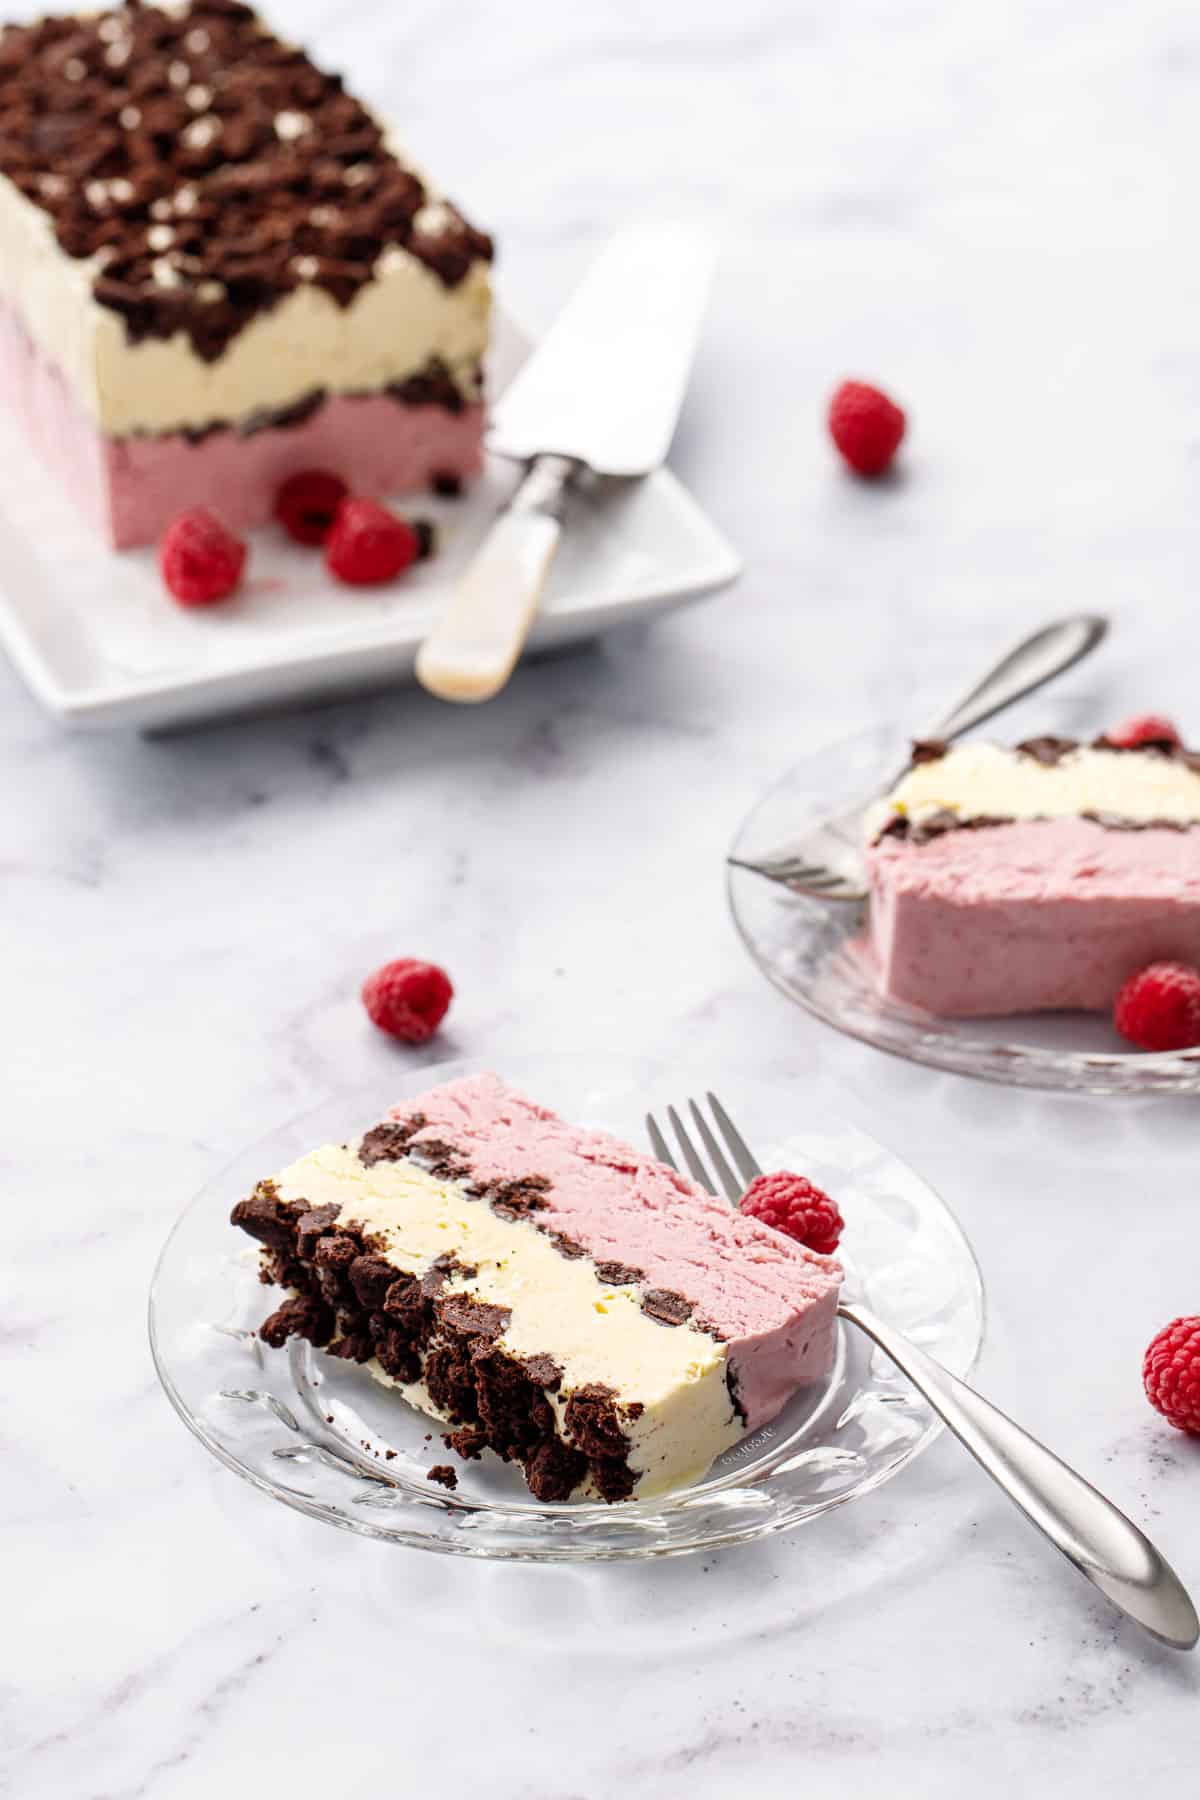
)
(307, 504)
(1144, 728)
(408, 999)
(1159, 1007)
(1171, 1373)
(200, 561)
(368, 544)
(794, 1206)
(866, 426)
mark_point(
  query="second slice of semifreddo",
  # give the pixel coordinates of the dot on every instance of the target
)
(1034, 878)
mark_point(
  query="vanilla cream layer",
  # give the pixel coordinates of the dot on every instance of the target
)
(979, 781)
(393, 327)
(559, 1307)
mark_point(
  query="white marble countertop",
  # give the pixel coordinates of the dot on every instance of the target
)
(983, 207)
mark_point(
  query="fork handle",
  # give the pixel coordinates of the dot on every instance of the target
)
(1028, 666)
(1089, 1530)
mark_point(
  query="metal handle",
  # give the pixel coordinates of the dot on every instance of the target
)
(474, 645)
(1029, 666)
(1089, 1530)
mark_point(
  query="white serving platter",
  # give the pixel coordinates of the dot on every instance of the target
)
(101, 643)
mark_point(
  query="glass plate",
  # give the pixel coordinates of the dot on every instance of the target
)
(812, 951)
(321, 1436)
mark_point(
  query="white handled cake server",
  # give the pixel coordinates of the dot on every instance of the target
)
(601, 396)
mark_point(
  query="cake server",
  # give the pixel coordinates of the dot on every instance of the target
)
(1089, 1530)
(827, 862)
(600, 396)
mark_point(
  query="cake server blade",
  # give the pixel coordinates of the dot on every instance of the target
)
(601, 397)
(605, 386)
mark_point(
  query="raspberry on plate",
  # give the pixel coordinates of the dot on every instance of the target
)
(1144, 728)
(368, 544)
(795, 1206)
(408, 999)
(201, 562)
(1159, 1007)
(866, 426)
(1171, 1373)
(307, 504)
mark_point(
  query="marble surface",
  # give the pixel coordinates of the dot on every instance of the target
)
(984, 207)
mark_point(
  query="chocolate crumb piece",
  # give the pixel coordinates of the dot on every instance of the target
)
(389, 1455)
(312, 1226)
(566, 1246)
(668, 1307)
(268, 1218)
(303, 1316)
(1047, 750)
(555, 1470)
(389, 1142)
(446, 484)
(443, 1473)
(593, 1423)
(618, 1274)
(470, 1441)
(926, 750)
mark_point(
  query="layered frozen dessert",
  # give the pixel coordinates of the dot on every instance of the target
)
(217, 270)
(551, 1294)
(1035, 878)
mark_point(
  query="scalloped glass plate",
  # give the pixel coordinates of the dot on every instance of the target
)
(322, 1437)
(812, 950)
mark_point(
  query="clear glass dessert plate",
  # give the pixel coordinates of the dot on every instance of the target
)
(814, 952)
(321, 1436)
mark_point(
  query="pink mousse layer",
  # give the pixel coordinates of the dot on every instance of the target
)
(130, 488)
(1044, 915)
(771, 1300)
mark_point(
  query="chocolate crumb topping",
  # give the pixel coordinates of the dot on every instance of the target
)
(211, 168)
(443, 1473)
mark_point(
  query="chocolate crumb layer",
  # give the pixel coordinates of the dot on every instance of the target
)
(209, 168)
(1050, 750)
(357, 1305)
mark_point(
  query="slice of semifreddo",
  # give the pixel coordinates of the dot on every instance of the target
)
(1035, 878)
(550, 1293)
(217, 270)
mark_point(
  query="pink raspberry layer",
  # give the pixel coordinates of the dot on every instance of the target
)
(130, 488)
(1043, 915)
(771, 1300)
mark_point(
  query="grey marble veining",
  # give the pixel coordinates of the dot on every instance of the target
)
(983, 206)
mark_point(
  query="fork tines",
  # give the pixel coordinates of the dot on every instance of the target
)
(739, 1154)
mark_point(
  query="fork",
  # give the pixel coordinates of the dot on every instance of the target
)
(1089, 1530)
(828, 862)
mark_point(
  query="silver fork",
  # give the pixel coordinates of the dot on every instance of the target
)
(828, 861)
(1089, 1530)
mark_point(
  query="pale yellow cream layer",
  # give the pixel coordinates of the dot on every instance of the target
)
(987, 781)
(393, 327)
(559, 1307)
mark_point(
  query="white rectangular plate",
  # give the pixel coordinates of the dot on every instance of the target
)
(101, 643)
